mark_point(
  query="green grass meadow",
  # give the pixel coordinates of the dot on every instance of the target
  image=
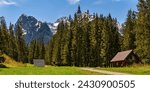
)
(54, 70)
(49, 70)
(137, 69)
(15, 68)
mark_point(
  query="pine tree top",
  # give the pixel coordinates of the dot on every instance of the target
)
(79, 10)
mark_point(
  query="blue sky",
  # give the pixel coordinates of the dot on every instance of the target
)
(51, 10)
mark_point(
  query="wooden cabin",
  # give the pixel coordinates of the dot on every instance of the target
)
(124, 58)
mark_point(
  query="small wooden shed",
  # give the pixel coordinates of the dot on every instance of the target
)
(125, 58)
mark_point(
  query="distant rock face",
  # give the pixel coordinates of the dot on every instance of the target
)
(120, 29)
(65, 19)
(34, 29)
(53, 26)
(37, 30)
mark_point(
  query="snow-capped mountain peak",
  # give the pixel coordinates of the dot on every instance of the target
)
(34, 29)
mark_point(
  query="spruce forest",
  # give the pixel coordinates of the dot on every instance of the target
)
(83, 42)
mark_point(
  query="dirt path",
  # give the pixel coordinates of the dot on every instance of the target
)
(104, 71)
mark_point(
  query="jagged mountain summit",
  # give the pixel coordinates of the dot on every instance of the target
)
(53, 26)
(34, 29)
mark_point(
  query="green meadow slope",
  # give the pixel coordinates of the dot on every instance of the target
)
(15, 68)
(49, 70)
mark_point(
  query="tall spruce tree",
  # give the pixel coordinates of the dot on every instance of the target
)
(105, 43)
(95, 41)
(49, 52)
(129, 31)
(57, 60)
(69, 37)
(12, 43)
(21, 45)
(42, 51)
(142, 32)
(31, 54)
(4, 37)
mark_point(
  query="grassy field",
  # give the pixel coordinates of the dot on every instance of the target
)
(137, 69)
(52, 70)
(15, 68)
(49, 70)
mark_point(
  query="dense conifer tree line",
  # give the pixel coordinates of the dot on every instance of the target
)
(137, 31)
(84, 40)
(13, 44)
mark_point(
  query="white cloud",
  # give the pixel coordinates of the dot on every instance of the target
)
(73, 1)
(7, 2)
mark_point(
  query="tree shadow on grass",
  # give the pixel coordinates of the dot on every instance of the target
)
(3, 66)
